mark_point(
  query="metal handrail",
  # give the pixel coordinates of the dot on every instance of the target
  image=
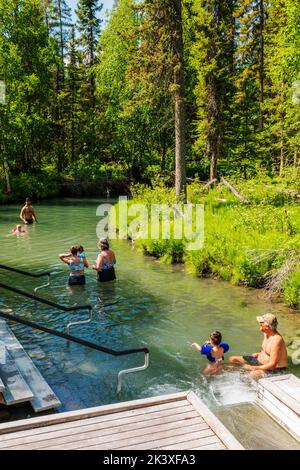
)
(26, 273)
(84, 343)
(53, 304)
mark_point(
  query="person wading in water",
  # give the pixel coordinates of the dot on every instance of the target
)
(76, 264)
(27, 214)
(105, 262)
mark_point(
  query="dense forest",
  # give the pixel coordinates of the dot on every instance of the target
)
(174, 88)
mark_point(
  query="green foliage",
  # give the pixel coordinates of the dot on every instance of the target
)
(292, 289)
(79, 97)
(34, 186)
(243, 244)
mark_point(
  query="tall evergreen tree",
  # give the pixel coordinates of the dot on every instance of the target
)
(89, 26)
(60, 24)
(73, 112)
(27, 57)
(160, 65)
(282, 133)
(213, 58)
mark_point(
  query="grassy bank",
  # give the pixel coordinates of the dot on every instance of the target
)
(257, 245)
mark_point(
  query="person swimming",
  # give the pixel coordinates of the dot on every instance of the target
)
(76, 264)
(214, 350)
(18, 230)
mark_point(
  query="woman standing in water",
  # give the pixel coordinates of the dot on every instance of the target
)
(105, 262)
(76, 264)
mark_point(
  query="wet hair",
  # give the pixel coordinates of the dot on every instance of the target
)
(216, 337)
(74, 250)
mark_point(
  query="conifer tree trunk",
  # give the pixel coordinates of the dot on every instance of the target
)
(179, 99)
(262, 61)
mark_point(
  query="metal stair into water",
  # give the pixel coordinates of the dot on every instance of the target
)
(21, 380)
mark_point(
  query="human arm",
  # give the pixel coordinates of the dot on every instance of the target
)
(22, 217)
(197, 346)
(98, 265)
(85, 262)
(65, 255)
(64, 258)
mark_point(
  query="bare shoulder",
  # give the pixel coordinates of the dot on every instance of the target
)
(278, 340)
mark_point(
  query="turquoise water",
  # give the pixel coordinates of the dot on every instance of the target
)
(151, 305)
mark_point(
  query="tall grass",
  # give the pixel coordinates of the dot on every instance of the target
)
(256, 245)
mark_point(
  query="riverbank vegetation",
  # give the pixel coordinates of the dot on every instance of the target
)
(160, 95)
(255, 244)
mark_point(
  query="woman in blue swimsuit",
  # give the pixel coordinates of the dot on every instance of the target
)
(214, 350)
(105, 263)
(76, 264)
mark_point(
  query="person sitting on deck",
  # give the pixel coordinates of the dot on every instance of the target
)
(272, 358)
(77, 265)
(214, 350)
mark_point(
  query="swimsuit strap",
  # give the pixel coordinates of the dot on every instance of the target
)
(77, 267)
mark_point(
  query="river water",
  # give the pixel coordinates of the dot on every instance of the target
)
(150, 305)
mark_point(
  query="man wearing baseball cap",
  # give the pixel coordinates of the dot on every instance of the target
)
(272, 358)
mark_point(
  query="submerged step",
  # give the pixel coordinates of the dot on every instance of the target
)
(280, 397)
(16, 389)
(43, 398)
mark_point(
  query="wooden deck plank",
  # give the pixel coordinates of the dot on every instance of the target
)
(174, 400)
(180, 438)
(129, 438)
(178, 421)
(192, 444)
(109, 436)
(216, 446)
(125, 417)
(265, 394)
(106, 428)
(280, 413)
(43, 396)
(286, 390)
(220, 430)
(147, 441)
(16, 389)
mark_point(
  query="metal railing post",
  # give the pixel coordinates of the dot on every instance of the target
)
(129, 371)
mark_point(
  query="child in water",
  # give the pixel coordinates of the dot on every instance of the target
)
(18, 230)
(214, 350)
(81, 252)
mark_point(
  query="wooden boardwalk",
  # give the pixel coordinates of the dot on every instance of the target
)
(20, 380)
(178, 421)
(280, 398)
